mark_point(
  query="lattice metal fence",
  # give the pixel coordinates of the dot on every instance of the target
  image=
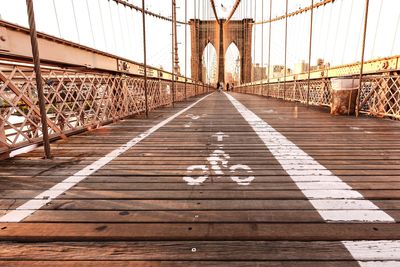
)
(319, 93)
(75, 100)
(379, 94)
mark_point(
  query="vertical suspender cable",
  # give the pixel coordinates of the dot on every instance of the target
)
(145, 60)
(269, 48)
(112, 26)
(39, 81)
(395, 35)
(347, 31)
(129, 28)
(208, 50)
(185, 49)
(254, 41)
(285, 70)
(76, 22)
(328, 31)
(58, 22)
(262, 48)
(309, 53)
(196, 78)
(362, 57)
(377, 27)
(172, 51)
(244, 50)
(337, 28)
(90, 22)
(102, 24)
(120, 27)
(198, 41)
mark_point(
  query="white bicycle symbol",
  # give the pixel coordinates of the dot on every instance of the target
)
(217, 158)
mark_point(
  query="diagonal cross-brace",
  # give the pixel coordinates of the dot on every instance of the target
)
(28, 102)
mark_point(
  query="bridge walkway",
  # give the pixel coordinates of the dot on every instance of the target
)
(222, 180)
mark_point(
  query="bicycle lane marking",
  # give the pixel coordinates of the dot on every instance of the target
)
(218, 160)
(334, 200)
(31, 206)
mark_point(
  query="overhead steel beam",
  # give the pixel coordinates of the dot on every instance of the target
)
(302, 10)
(59, 52)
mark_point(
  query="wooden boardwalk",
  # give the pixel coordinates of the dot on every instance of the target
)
(231, 181)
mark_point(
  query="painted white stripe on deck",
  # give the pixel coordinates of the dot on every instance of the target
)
(379, 263)
(314, 180)
(382, 253)
(45, 197)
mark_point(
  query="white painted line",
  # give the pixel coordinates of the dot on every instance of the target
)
(375, 253)
(314, 180)
(23, 150)
(45, 197)
(379, 263)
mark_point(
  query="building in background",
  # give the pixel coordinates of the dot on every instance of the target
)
(258, 72)
(300, 67)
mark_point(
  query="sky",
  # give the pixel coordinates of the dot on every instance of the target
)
(104, 25)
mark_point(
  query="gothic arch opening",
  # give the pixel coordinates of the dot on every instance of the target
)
(209, 65)
(232, 64)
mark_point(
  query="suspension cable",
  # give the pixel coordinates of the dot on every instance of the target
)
(235, 6)
(347, 30)
(112, 26)
(120, 28)
(395, 34)
(269, 47)
(90, 22)
(125, 3)
(214, 10)
(323, 3)
(58, 22)
(376, 29)
(76, 21)
(102, 25)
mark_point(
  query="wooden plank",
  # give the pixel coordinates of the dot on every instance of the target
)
(51, 232)
(178, 250)
(198, 193)
(181, 263)
(221, 216)
(140, 202)
(190, 204)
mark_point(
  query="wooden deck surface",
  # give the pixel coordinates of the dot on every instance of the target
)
(138, 209)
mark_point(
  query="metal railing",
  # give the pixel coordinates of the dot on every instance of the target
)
(379, 94)
(75, 100)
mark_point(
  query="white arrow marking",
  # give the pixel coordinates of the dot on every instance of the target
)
(220, 136)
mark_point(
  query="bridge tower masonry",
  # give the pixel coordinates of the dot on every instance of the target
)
(221, 35)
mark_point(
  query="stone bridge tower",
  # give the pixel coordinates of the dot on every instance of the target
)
(221, 35)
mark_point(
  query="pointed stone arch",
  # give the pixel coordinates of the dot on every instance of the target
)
(204, 54)
(232, 46)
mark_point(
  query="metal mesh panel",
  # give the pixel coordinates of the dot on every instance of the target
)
(380, 95)
(74, 100)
